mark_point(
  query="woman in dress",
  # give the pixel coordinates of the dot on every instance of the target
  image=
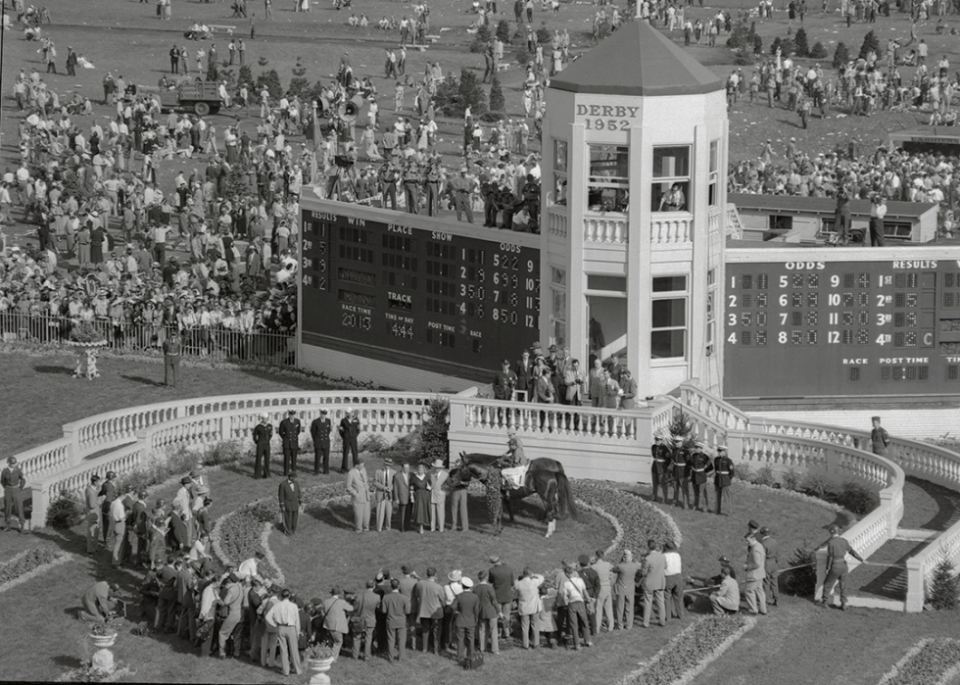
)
(420, 484)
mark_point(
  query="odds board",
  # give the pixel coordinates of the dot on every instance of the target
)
(437, 300)
(842, 328)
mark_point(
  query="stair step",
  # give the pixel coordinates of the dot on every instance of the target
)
(876, 603)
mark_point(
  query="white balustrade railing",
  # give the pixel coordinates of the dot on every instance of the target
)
(556, 223)
(46, 460)
(605, 229)
(920, 567)
(701, 402)
(669, 228)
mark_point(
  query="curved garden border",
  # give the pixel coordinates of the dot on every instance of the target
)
(31, 567)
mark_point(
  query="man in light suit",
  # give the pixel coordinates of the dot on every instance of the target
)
(334, 610)
(438, 497)
(359, 488)
(654, 583)
(367, 607)
(430, 600)
(290, 501)
(383, 494)
(401, 495)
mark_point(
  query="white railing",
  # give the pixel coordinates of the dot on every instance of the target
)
(557, 223)
(713, 220)
(920, 567)
(604, 229)
(706, 405)
(670, 228)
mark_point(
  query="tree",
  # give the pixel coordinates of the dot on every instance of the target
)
(503, 31)
(482, 40)
(870, 44)
(818, 51)
(497, 103)
(245, 75)
(434, 443)
(455, 95)
(944, 586)
(271, 81)
(841, 55)
(800, 44)
(775, 45)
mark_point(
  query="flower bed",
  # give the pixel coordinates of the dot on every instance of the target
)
(690, 652)
(929, 662)
(639, 520)
(28, 564)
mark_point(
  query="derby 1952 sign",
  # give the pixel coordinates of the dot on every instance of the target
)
(606, 117)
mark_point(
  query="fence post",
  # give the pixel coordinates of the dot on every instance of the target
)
(735, 446)
(915, 582)
(71, 433)
(40, 501)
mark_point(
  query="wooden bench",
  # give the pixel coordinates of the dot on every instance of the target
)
(221, 27)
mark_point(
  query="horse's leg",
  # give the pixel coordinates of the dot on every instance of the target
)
(551, 527)
(508, 504)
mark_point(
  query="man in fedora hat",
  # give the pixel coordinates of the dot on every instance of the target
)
(438, 496)
(262, 433)
(383, 494)
(320, 429)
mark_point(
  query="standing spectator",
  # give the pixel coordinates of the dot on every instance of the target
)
(367, 607)
(262, 433)
(625, 588)
(171, 360)
(879, 438)
(395, 607)
(458, 506)
(108, 492)
(529, 606)
(654, 582)
(756, 573)
(430, 602)
(502, 577)
(722, 476)
(837, 550)
(118, 529)
(359, 489)
(604, 571)
(402, 484)
(320, 429)
(771, 583)
(504, 382)
(289, 432)
(13, 482)
(91, 501)
(335, 619)
(438, 497)
(383, 495)
(290, 501)
(673, 577)
(285, 616)
(466, 616)
(349, 431)
(489, 613)
(574, 591)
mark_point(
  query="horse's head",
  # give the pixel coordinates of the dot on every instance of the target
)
(467, 470)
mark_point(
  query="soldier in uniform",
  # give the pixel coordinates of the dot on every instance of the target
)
(531, 198)
(661, 461)
(289, 433)
(411, 186)
(681, 477)
(171, 360)
(771, 584)
(13, 482)
(489, 189)
(262, 433)
(320, 429)
(387, 176)
(506, 202)
(432, 186)
(722, 476)
(700, 466)
(461, 188)
(349, 431)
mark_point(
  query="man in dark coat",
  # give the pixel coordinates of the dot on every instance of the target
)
(489, 612)
(320, 429)
(349, 431)
(262, 433)
(466, 615)
(290, 500)
(700, 466)
(289, 432)
(395, 606)
(502, 578)
(661, 461)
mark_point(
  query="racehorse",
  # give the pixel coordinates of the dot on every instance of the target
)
(544, 477)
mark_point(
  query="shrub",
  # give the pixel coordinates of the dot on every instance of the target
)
(757, 45)
(434, 443)
(503, 31)
(818, 51)
(224, 452)
(497, 103)
(65, 512)
(841, 55)
(523, 56)
(786, 47)
(481, 42)
(744, 472)
(856, 498)
(800, 43)
(271, 81)
(791, 479)
(764, 476)
(870, 44)
(455, 95)
(264, 511)
(245, 75)
(775, 45)
(298, 86)
(544, 37)
(944, 586)
(818, 485)
(801, 582)
(373, 442)
(743, 58)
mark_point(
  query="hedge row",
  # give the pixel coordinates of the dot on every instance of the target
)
(926, 665)
(640, 520)
(27, 561)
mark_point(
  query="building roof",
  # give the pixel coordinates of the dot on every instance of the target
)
(797, 204)
(637, 59)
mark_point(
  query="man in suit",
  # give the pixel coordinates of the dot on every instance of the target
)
(13, 482)
(726, 600)
(367, 606)
(401, 495)
(722, 476)
(771, 548)
(438, 496)
(137, 527)
(629, 385)
(91, 500)
(383, 494)
(396, 606)
(502, 577)
(624, 589)
(349, 431)
(289, 497)
(187, 626)
(289, 432)
(359, 488)
(262, 433)
(654, 583)
(408, 583)
(320, 429)
(755, 567)
(458, 505)
(109, 492)
(529, 606)
(466, 615)
(591, 579)
(489, 612)
(334, 610)
(604, 571)
(429, 598)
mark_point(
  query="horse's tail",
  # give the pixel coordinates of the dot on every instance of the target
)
(566, 502)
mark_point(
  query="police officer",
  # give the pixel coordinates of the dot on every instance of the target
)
(722, 476)
(432, 184)
(320, 429)
(700, 466)
(681, 478)
(411, 186)
(661, 461)
(387, 176)
(262, 433)
(531, 198)
(289, 432)
(171, 360)
(506, 202)
(461, 188)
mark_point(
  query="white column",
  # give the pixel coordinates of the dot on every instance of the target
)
(577, 333)
(700, 240)
(639, 256)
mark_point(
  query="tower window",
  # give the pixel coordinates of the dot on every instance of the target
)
(671, 187)
(609, 178)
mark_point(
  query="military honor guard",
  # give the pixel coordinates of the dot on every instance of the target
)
(722, 476)
(661, 463)
(320, 429)
(289, 433)
(262, 433)
(700, 467)
(681, 479)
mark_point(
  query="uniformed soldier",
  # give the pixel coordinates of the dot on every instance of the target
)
(13, 482)
(289, 432)
(506, 203)
(432, 184)
(722, 475)
(531, 198)
(461, 188)
(489, 189)
(411, 186)
(387, 176)
(320, 433)
(171, 360)
(700, 466)
(262, 433)
(681, 477)
(661, 462)
(771, 584)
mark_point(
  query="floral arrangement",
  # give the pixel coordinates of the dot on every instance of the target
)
(689, 653)
(319, 652)
(85, 332)
(639, 520)
(102, 628)
(929, 661)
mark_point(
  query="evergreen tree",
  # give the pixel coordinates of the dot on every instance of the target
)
(818, 51)
(497, 103)
(271, 81)
(775, 45)
(503, 31)
(944, 586)
(870, 44)
(800, 44)
(434, 443)
(840, 56)
(245, 75)
(471, 94)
